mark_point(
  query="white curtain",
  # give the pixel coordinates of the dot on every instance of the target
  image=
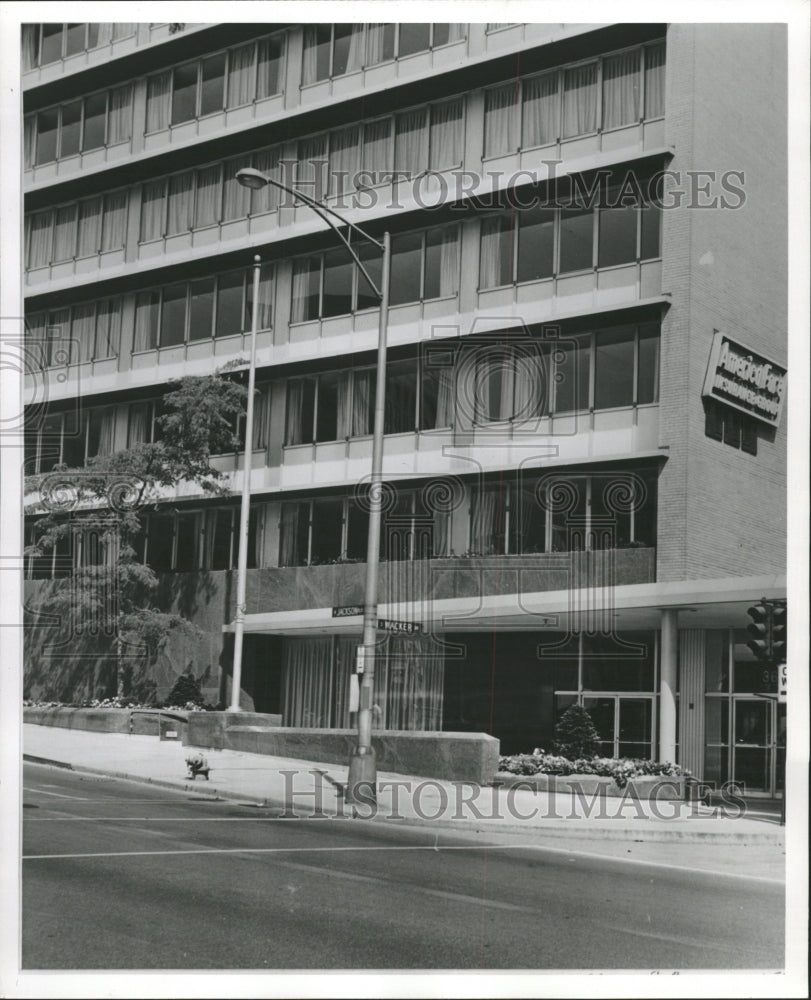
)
(207, 204)
(654, 81)
(123, 29)
(40, 239)
(106, 431)
(541, 107)
(146, 325)
(500, 135)
(158, 102)
(30, 36)
(344, 159)
(120, 115)
(487, 506)
(312, 157)
(495, 265)
(444, 402)
(301, 289)
(137, 426)
(104, 34)
(115, 221)
(29, 140)
(241, 76)
(181, 203)
(449, 262)
(376, 149)
(295, 412)
(411, 142)
(65, 233)
(152, 202)
(446, 134)
(57, 332)
(376, 37)
(580, 100)
(289, 533)
(236, 199)
(82, 331)
(266, 199)
(89, 227)
(307, 682)
(108, 328)
(309, 65)
(343, 412)
(270, 62)
(362, 395)
(414, 671)
(265, 305)
(621, 89)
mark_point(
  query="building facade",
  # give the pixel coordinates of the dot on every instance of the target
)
(584, 446)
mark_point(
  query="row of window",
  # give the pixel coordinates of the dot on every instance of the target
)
(724, 423)
(78, 230)
(605, 93)
(336, 49)
(490, 382)
(70, 335)
(102, 119)
(43, 44)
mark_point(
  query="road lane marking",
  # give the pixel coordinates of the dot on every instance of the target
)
(409, 847)
(58, 795)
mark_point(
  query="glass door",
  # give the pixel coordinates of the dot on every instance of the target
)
(625, 725)
(753, 760)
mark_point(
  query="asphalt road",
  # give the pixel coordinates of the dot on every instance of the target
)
(124, 876)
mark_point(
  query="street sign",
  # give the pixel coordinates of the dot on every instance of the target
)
(782, 683)
(349, 611)
(402, 628)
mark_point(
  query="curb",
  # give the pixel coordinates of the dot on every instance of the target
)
(569, 828)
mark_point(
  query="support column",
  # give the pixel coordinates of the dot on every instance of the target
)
(668, 672)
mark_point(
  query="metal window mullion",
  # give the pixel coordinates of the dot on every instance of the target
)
(636, 368)
(600, 95)
(310, 520)
(316, 395)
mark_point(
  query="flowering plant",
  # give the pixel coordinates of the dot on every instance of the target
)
(621, 769)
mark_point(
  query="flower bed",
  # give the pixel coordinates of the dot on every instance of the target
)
(189, 706)
(620, 769)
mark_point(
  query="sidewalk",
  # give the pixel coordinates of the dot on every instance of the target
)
(307, 788)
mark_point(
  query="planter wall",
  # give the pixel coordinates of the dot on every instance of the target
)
(645, 787)
(131, 722)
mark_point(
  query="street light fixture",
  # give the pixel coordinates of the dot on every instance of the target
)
(362, 781)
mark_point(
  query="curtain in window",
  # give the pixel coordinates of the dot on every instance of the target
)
(307, 682)
(39, 250)
(541, 118)
(415, 674)
(444, 403)
(120, 115)
(654, 81)
(621, 89)
(441, 534)
(261, 405)
(302, 270)
(65, 233)
(106, 431)
(57, 333)
(499, 120)
(266, 199)
(309, 65)
(484, 522)
(108, 329)
(376, 150)
(312, 157)
(207, 206)
(123, 29)
(449, 263)
(29, 141)
(362, 395)
(289, 534)
(83, 330)
(158, 102)
(137, 424)
(354, 57)
(152, 211)
(265, 305)
(270, 61)
(411, 142)
(495, 265)
(146, 321)
(295, 413)
(446, 135)
(343, 412)
(30, 42)
(181, 203)
(104, 34)
(376, 44)
(241, 85)
(236, 199)
(344, 159)
(115, 221)
(89, 227)
(580, 100)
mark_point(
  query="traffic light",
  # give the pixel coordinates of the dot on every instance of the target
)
(779, 633)
(760, 630)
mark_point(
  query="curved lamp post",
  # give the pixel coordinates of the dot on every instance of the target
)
(362, 782)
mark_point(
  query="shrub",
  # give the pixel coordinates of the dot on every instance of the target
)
(576, 735)
(620, 769)
(186, 691)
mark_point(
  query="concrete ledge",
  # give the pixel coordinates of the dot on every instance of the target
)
(133, 722)
(447, 756)
(649, 786)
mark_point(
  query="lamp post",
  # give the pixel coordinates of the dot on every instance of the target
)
(362, 781)
(245, 506)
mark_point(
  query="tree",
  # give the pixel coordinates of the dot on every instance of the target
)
(575, 734)
(99, 508)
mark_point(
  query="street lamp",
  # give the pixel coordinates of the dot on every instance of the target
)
(362, 781)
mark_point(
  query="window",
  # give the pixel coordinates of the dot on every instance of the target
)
(536, 244)
(184, 93)
(330, 407)
(614, 368)
(401, 397)
(80, 126)
(424, 265)
(736, 429)
(621, 89)
(576, 239)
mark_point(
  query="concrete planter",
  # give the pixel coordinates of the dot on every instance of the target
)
(659, 787)
(132, 722)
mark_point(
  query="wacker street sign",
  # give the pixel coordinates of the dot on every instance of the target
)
(749, 382)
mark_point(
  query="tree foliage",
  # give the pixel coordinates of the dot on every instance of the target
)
(576, 736)
(106, 501)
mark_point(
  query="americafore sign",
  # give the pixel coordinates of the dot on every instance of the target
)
(745, 380)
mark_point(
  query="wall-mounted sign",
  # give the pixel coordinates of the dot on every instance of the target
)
(738, 377)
